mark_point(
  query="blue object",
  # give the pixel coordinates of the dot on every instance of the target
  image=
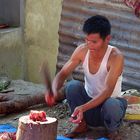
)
(102, 139)
(62, 138)
(7, 128)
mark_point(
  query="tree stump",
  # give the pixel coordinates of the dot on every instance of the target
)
(30, 130)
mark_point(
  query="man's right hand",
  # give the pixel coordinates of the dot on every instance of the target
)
(50, 100)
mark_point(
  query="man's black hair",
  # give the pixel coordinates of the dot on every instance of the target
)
(97, 24)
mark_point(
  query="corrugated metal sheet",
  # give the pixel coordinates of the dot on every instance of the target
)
(125, 34)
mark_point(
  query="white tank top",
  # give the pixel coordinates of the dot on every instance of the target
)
(95, 83)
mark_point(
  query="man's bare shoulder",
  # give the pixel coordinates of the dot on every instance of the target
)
(81, 47)
(81, 50)
(116, 54)
(116, 58)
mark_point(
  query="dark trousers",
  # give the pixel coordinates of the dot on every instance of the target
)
(109, 114)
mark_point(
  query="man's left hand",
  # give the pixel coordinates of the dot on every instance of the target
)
(77, 115)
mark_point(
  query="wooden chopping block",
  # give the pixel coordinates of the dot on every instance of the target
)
(30, 130)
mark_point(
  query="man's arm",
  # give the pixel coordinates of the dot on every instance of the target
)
(115, 71)
(59, 79)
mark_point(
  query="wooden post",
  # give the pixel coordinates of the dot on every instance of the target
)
(30, 130)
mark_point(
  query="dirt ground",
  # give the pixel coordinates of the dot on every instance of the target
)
(128, 131)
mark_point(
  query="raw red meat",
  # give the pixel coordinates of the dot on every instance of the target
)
(8, 136)
(37, 115)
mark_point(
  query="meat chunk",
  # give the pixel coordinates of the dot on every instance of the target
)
(8, 136)
(37, 115)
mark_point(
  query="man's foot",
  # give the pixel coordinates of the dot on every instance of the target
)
(79, 129)
(114, 136)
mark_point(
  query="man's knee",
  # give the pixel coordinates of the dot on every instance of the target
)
(113, 108)
(73, 88)
(124, 102)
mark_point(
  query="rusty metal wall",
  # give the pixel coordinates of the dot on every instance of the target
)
(125, 34)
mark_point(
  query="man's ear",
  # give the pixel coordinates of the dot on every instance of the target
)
(108, 38)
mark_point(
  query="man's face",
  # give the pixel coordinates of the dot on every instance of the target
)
(95, 42)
